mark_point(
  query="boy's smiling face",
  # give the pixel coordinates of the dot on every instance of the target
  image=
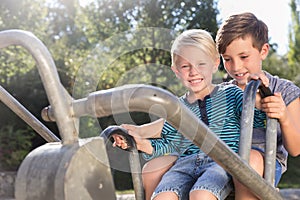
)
(241, 59)
(195, 69)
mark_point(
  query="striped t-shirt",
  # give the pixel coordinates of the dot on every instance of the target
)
(220, 111)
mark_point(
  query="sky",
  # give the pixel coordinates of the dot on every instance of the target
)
(275, 13)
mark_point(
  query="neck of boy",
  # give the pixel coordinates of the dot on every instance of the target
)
(194, 96)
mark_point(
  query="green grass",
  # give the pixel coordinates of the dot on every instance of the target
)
(291, 178)
(125, 192)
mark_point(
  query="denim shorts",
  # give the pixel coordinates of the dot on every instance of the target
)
(278, 172)
(195, 172)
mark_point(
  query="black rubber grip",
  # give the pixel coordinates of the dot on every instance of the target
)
(111, 130)
(264, 91)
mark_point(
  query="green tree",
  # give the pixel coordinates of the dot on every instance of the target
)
(99, 46)
(18, 72)
(153, 25)
(294, 41)
(15, 144)
(136, 50)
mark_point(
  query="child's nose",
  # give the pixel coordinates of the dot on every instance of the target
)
(194, 70)
(236, 65)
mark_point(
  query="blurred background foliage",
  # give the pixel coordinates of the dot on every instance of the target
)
(102, 44)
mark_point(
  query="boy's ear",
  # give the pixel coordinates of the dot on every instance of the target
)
(174, 69)
(264, 51)
(216, 67)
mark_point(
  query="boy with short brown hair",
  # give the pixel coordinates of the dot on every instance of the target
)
(242, 41)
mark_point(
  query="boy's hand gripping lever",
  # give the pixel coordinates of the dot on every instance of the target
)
(111, 130)
(134, 159)
(265, 91)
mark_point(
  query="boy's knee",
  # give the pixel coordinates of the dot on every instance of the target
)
(202, 194)
(256, 161)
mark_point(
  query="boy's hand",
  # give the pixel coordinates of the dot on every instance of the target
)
(142, 144)
(260, 76)
(119, 141)
(274, 107)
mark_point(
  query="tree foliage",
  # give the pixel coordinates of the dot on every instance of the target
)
(294, 41)
(103, 44)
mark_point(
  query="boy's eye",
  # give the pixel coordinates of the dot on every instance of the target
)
(244, 57)
(184, 66)
(201, 65)
(226, 59)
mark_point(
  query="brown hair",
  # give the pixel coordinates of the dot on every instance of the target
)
(241, 26)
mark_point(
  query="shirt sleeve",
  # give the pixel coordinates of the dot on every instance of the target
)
(287, 88)
(170, 142)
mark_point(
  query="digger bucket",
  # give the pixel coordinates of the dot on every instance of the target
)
(70, 168)
(55, 171)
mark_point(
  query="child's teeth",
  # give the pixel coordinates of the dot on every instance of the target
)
(196, 81)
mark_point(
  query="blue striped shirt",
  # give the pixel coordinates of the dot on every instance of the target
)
(220, 111)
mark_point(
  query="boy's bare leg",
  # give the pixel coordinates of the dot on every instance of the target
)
(166, 195)
(195, 195)
(202, 194)
(152, 172)
(256, 161)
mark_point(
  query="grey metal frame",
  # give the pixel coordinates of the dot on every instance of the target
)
(247, 131)
(66, 111)
(57, 96)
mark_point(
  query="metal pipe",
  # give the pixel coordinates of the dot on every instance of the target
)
(247, 119)
(24, 114)
(59, 99)
(247, 132)
(270, 151)
(162, 103)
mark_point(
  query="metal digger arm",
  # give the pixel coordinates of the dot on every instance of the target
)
(61, 159)
(159, 102)
(59, 99)
(66, 111)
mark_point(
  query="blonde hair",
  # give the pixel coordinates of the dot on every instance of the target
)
(198, 38)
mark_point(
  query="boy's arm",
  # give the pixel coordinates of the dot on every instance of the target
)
(288, 117)
(141, 135)
(143, 145)
(148, 139)
(149, 130)
(151, 147)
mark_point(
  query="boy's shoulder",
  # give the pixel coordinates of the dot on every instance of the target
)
(278, 84)
(276, 79)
